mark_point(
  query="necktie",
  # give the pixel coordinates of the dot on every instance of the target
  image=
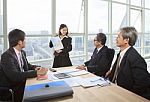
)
(94, 53)
(20, 62)
(116, 70)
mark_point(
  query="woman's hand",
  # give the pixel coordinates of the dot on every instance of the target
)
(58, 51)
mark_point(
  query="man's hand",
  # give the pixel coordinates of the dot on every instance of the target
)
(107, 74)
(41, 71)
(38, 68)
(82, 67)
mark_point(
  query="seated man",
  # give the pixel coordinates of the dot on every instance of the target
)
(130, 69)
(100, 61)
(14, 67)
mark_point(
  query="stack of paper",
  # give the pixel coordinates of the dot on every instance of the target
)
(79, 72)
(93, 81)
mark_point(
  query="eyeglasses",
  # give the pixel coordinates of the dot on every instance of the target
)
(95, 40)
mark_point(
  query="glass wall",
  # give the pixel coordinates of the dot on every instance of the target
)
(97, 16)
(122, 1)
(70, 12)
(33, 17)
(1, 17)
(147, 3)
(147, 33)
(107, 16)
(119, 16)
(1, 26)
(136, 2)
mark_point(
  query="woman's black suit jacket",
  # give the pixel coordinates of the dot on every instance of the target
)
(62, 59)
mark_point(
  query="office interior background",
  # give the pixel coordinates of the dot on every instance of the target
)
(40, 19)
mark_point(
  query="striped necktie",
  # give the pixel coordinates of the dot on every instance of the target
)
(21, 62)
(116, 70)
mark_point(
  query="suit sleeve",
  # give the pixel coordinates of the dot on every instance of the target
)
(67, 45)
(101, 65)
(86, 63)
(10, 68)
(50, 44)
(141, 77)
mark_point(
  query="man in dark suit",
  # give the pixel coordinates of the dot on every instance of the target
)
(130, 69)
(15, 68)
(100, 62)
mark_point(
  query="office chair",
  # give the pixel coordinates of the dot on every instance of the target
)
(3, 91)
(111, 53)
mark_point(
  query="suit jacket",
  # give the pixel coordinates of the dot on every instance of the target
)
(62, 59)
(99, 64)
(10, 74)
(133, 74)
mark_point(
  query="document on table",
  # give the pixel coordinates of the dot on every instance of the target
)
(74, 72)
(57, 44)
(72, 81)
(93, 81)
(78, 73)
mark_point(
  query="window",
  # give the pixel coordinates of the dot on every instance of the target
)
(70, 12)
(147, 33)
(1, 17)
(123, 1)
(136, 2)
(37, 48)
(147, 3)
(1, 45)
(1, 27)
(98, 20)
(32, 16)
(135, 18)
(91, 46)
(119, 16)
(147, 21)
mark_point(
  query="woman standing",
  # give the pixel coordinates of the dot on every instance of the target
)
(61, 57)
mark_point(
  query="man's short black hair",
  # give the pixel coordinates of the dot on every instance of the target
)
(15, 36)
(101, 37)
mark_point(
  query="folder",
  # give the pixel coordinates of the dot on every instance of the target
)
(57, 44)
(40, 92)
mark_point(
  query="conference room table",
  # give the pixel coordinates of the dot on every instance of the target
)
(111, 93)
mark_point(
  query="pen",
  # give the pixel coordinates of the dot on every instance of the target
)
(107, 80)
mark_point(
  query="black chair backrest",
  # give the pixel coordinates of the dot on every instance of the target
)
(6, 94)
(111, 53)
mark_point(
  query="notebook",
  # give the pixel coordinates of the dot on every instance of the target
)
(40, 92)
